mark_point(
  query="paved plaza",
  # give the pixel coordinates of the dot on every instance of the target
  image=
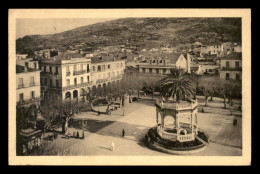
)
(139, 117)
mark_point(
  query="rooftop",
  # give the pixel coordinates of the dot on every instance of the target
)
(233, 56)
(21, 69)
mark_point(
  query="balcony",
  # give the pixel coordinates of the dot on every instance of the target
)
(31, 100)
(86, 84)
(102, 80)
(32, 84)
(78, 72)
(231, 69)
(67, 73)
(116, 77)
(20, 86)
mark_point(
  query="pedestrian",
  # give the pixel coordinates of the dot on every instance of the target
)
(123, 133)
(112, 146)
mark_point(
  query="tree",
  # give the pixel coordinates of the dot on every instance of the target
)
(178, 85)
(222, 88)
(58, 113)
(207, 85)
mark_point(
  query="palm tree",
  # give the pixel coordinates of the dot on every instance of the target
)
(178, 85)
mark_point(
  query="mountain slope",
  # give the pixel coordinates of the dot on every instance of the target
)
(148, 32)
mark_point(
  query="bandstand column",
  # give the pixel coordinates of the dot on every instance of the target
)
(162, 121)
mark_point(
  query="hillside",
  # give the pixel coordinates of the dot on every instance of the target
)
(147, 32)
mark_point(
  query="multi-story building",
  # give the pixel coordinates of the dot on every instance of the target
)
(66, 75)
(21, 56)
(27, 86)
(160, 64)
(70, 76)
(106, 70)
(231, 66)
(29, 62)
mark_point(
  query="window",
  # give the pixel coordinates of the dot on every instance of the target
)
(87, 67)
(227, 76)
(108, 75)
(121, 64)
(56, 70)
(81, 80)
(57, 83)
(67, 69)
(20, 81)
(75, 81)
(99, 68)
(32, 94)
(50, 82)
(237, 65)
(103, 67)
(93, 68)
(227, 64)
(45, 81)
(50, 69)
(21, 97)
(108, 66)
(99, 76)
(117, 65)
(157, 71)
(44, 68)
(104, 75)
(32, 81)
(81, 67)
(237, 77)
(75, 67)
(68, 82)
(35, 66)
(88, 78)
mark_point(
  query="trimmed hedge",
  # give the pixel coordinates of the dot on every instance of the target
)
(203, 136)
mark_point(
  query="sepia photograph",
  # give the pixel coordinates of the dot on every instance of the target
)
(129, 87)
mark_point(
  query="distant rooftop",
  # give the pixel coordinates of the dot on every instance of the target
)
(233, 56)
(107, 58)
(21, 69)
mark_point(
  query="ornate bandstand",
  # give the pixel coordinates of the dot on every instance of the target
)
(183, 115)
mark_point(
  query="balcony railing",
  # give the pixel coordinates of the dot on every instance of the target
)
(102, 80)
(31, 100)
(177, 106)
(67, 73)
(231, 69)
(32, 84)
(20, 86)
(79, 72)
(116, 77)
(77, 86)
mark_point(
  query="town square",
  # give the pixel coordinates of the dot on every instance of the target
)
(130, 86)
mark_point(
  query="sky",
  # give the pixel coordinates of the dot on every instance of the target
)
(51, 26)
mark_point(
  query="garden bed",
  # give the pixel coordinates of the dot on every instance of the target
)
(157, 141)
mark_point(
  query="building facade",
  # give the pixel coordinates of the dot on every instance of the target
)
(231, 66)
(163, 63)
(72, 76)
(27, 86)
(106, 71)
(66, 75)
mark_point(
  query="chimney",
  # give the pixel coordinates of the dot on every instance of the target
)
(188, 62)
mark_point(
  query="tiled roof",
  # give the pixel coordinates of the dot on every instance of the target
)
(233, 56)
(65, 56)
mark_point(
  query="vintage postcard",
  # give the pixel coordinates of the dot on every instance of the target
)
(129, 86)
